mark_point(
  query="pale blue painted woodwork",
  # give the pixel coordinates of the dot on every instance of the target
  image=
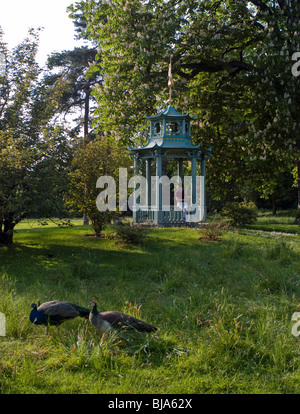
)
(170, 137)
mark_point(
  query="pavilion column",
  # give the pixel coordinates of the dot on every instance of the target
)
(194, 179)
(203, 209)
(148, 179)
(158, 187)
(136, 172)
(180, 169)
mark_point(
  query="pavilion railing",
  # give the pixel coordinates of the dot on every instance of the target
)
(145, 216)
(169, 216)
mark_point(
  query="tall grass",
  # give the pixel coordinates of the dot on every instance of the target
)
(223, 310)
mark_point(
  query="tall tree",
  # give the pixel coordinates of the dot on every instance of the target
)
(92, 160)
(71, 74)
(76, 81)
(232, 69)
(33, 152)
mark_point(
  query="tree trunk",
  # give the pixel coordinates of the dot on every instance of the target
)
(7, 232)
(298, 170)
(86, 114)
(274, 207)
(297, 219)
(6, 238)
(86, 134)
(86, 221)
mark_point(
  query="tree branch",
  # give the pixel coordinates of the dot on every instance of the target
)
(212, 67)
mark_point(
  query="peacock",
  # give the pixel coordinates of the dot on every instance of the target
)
(55, 312)
(110, 320)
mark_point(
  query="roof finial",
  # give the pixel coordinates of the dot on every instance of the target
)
(170, 81)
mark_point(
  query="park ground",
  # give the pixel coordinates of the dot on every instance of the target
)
(223, 310)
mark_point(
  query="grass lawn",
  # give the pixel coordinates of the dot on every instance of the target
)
(223, 310)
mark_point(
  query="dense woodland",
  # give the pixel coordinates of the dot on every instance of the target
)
(235, 70)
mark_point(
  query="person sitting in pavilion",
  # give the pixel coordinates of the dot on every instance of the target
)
(179, 198)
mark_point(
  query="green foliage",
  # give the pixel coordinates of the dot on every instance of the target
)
(213, 230)
(34, 152)
(131, 235)
(240, 214)
(74, 85)
(232, 69)
(92, 160)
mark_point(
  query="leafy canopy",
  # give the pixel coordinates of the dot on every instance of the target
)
(232, 69)
(33, 151)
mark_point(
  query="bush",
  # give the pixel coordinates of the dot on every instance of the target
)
(240, 214)
(212, 231)
(131, 234)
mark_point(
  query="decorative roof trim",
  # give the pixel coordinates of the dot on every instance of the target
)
(154, 145)
(169, 112)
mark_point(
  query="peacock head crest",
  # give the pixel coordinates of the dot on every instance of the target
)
(92, 304)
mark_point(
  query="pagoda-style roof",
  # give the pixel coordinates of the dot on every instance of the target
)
(171, 143)
(169, 112)
(169, 130)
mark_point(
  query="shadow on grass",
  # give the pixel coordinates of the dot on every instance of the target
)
(56, 270)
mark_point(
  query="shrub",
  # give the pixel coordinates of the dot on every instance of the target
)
(131, 234)
(212, 231)
(240, 214)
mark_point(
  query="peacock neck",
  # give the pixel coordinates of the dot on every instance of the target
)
(37, 317)
(95, 310)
